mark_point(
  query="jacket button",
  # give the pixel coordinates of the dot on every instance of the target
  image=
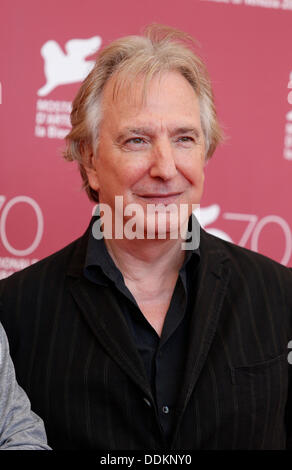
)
(148, 403)
(165, 410)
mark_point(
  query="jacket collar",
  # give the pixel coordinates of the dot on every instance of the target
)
(104, 316)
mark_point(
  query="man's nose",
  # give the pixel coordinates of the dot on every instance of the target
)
(163, 161)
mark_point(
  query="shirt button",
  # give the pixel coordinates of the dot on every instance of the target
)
(148, 403)
(165, 410)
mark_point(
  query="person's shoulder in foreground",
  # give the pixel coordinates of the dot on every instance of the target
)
(20, 428)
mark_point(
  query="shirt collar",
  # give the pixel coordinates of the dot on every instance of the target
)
(99, 266)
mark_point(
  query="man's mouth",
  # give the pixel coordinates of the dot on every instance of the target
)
(158, 198)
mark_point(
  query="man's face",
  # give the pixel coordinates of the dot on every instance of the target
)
(150, 152)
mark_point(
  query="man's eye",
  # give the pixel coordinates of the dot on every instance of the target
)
(185, 139)
(135, 140)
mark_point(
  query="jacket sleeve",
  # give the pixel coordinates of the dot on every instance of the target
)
(20, 428)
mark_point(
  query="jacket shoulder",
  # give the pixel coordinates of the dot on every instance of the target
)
(249, 262)
(50, 269)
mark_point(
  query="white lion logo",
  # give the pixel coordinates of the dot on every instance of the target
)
(62, 69)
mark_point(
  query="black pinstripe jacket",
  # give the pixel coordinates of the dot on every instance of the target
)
(75, 358)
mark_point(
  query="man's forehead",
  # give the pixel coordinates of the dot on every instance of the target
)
(133, 90)
(121, 87)
(131, 109)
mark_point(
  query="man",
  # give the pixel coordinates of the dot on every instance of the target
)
(128, 341)
(20, 428)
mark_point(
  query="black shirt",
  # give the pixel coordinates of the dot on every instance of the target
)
(163, 357)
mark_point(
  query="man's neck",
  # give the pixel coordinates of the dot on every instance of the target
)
(142, 259)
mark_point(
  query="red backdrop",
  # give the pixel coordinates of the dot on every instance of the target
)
(45, 47)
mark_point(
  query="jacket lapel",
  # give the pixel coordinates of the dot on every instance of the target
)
(212, 283)
(105, 318)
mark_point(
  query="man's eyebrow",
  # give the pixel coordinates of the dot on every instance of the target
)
(186, 130)
(144, 130)
(135, 131)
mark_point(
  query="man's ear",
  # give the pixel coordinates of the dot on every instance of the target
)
(90, 167)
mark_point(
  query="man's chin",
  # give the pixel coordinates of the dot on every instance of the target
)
(162, 228)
